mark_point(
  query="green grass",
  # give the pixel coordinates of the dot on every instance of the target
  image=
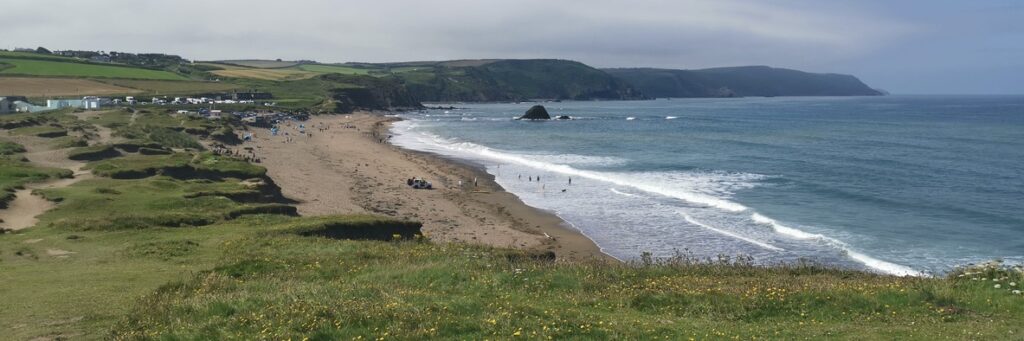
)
(50, 68)
(68, 142)
(109, 204)
(52, 118)
(16, 173)
(179, 165)
(41, 131)
(112, 119)
(323, 68)
(281, 286)
(140, 166)
(97, 152)
(10, 148)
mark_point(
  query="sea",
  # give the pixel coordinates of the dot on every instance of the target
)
(903, 185)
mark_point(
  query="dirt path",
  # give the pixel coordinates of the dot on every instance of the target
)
(22, 212)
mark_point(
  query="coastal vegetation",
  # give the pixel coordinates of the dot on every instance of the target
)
(189, 244)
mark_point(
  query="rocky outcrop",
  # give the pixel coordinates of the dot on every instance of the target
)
(537, 112)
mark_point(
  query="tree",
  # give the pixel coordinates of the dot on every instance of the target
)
(43, 50)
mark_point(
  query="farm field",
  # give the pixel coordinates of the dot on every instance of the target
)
(265, 74)
(43, 87)
(32, 67)
(322, 68)
(257, 63)
(170, 87)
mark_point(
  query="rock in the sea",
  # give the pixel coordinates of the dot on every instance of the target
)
(537, 112)
(563, 117)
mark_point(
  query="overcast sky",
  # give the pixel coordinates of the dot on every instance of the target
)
(912, 46)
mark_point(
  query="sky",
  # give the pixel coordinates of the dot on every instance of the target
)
(905, 47)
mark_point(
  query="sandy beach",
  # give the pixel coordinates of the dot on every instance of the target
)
(345, 169)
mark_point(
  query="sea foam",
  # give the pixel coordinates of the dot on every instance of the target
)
(690, 220)
(706, 189)
(871, 262)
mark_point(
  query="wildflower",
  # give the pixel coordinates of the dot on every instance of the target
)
(1013, 284)
(1016, 292)
(997, 286)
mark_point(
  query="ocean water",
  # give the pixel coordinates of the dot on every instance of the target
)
(907, 185)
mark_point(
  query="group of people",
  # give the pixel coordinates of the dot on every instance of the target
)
(530, 179)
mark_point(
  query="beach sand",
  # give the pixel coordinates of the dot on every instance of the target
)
(347, 170)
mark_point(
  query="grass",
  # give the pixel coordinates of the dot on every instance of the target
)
(10, 148)
(180, 165)
(324, 68)
(91, 153)
(68, 142)
(49, 87)
(110, 204)
(41, 131)
(281, 286)
(171, 87)
(265, 74)
(50, 68)
(16, 173)
(256, 63)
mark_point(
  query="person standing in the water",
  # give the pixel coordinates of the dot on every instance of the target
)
(570, 181)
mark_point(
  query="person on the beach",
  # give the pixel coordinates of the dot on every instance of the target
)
(570, 181)
(474, 182)
(531, 178)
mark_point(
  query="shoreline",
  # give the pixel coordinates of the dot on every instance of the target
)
(558, 228)
(344, 168)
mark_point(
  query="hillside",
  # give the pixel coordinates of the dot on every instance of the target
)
(511, 80)
(458, 80)
(740, 82)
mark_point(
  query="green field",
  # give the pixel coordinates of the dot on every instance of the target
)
(257, 63)
(33, 67)
(323, 68)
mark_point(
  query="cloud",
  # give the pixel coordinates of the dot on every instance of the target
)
(600, 32)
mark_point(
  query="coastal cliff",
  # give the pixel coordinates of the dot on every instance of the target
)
(741, 81)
